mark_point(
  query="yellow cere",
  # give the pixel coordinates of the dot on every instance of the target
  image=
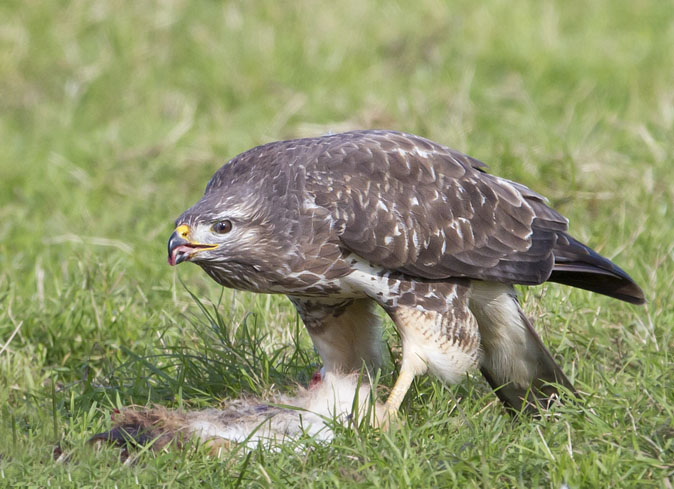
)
(183, 231)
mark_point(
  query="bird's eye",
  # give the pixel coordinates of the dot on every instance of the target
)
(222, 227)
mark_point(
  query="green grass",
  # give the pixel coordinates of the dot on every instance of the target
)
(114, 114)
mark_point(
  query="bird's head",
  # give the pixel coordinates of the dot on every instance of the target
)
(219, 228)
(243, 231)
(232, 235)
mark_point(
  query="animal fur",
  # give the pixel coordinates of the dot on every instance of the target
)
(342, 399)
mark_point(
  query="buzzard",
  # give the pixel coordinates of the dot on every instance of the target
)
(345, 222)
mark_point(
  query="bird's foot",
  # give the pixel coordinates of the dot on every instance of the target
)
(387, 420)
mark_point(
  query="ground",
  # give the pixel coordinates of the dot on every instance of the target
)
(114, 114)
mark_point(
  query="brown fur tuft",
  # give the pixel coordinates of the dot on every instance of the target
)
(141, 426)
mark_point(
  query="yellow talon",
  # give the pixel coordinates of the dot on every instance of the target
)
(387, 420)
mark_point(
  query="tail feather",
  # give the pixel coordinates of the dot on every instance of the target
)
(580, 266)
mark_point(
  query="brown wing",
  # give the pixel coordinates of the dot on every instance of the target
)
(408, 204)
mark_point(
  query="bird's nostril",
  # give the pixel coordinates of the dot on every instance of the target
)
(183, 231)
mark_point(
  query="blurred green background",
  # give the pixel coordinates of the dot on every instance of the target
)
(114, 114)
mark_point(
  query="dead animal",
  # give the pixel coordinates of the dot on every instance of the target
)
(333, 399)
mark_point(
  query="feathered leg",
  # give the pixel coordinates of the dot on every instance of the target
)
(346, 332)
(515, 361)
(439, 334)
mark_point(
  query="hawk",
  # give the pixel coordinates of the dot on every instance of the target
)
(346, 222)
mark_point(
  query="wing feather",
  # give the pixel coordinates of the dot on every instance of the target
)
(412, 205)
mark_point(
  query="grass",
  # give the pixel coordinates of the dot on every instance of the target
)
(114, 114)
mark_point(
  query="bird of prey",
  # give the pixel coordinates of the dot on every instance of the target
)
(345, 222)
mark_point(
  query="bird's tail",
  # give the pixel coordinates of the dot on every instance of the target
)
(515, 362)
(579, 266)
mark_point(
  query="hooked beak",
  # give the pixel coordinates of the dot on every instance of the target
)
(181, 248)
